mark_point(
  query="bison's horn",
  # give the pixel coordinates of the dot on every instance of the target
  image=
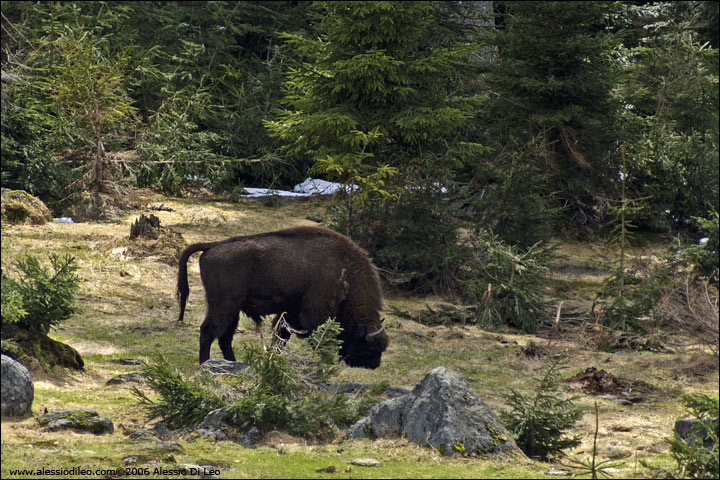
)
(369, 336)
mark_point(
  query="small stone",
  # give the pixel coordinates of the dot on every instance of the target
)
(218, 366)
(130, 361)
(168, 446)
(330, 469)
(364, 462)
(555, 471)
(134, 377)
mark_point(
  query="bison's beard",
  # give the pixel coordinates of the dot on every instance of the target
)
(363, 361)
(364, 354)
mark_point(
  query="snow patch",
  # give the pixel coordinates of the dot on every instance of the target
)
(311, 186)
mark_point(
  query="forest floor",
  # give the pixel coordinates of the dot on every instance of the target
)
(127, 296)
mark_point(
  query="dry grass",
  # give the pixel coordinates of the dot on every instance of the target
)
(129, 311)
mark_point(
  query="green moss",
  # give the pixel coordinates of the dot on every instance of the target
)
(496, 436)
(79, 414)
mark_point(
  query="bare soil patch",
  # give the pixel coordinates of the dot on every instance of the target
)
(601, 382)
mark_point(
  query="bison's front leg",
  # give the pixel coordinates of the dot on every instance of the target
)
(225, 342)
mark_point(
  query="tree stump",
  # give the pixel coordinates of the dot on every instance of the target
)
(147, 227)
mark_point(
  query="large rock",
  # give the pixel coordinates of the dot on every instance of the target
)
(442, 411)
(17, 389)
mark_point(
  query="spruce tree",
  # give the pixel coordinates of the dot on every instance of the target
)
(670, 114)
(380, 101)
(551, 84)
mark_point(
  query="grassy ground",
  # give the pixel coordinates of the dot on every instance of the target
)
(129, 311)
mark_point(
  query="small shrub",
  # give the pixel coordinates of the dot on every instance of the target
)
(322, 349)
(690, 306)
(627, 308)
(694, 458)
(272, 201)
(275, 395)
(591, 466)
(538, 421)
(48, 296)
(506, 284)
(236, 193)
(629, 296)
(182, 402)
(281, 391)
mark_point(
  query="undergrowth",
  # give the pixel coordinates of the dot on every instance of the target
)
(279, 390)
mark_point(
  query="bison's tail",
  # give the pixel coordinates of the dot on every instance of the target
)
(183, 289)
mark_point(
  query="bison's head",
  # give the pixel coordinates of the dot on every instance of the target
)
(365, 347)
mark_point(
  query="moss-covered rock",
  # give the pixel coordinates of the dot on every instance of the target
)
(78, 420)
(22, 344)
(18, 206)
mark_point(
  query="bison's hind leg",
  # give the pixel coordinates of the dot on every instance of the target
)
(220, 322)
(207, 336)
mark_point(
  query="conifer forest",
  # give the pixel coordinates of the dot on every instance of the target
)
(536, 183)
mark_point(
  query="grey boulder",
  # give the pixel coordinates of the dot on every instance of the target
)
(442, 411)
(18, 391)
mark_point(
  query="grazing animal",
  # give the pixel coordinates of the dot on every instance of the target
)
(309, 273)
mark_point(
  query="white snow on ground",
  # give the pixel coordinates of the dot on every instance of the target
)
(311, 186)
(266, 192)
(315, 185)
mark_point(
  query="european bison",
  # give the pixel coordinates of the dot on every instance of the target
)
(309, 273)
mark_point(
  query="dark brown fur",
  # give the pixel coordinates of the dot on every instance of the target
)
(310, 273)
